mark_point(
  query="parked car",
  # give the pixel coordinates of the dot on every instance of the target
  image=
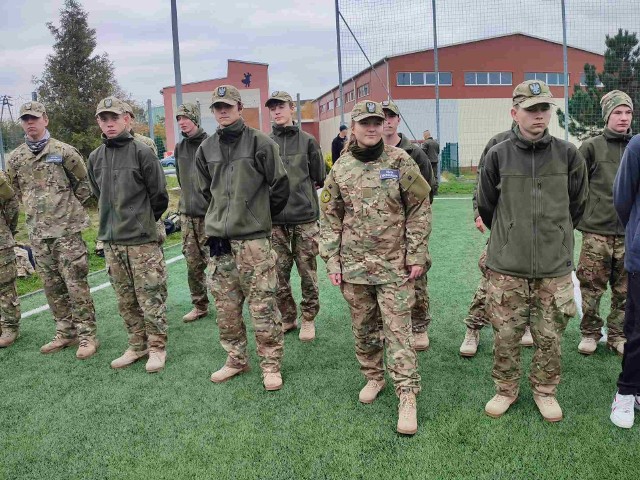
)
(168, 162)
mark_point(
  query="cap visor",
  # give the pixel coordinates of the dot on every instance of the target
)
(530, 102)
(225, 101)
(32, 114)
(109, 110)
(362, 116)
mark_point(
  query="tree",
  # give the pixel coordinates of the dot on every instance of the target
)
(621, 72)
(75, 79)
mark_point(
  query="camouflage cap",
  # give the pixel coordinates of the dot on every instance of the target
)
(278, 96)
(614, 99)
(190, 111)
(392, 107)
(226, 94)
(129, 109)
(362, 110)
(35, 109)
(532, 92)
(113, 105)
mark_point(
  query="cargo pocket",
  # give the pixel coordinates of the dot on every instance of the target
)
(564, 301)
(264, 274)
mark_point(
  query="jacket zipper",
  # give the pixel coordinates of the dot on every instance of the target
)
(113, 153)
(228, 178)
(284, 156)
(535, 211)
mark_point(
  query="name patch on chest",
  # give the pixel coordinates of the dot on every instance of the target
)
(389, 174)
(57, 159)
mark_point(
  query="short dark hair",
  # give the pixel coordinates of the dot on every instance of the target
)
(343, 127)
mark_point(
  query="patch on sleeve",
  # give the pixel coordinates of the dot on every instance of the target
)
(389, 174)
(325, 196)
(54, 158)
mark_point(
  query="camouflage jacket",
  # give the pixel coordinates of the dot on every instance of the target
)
(53, 186)
(602, 155)
(375, 218)
(420, 157)
(8, 219)
(496, 139)
(302, 158)
(131, 189)
(532, 195)
(192, 201)
(146, 140)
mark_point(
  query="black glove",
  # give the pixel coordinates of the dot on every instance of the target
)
(218, 246)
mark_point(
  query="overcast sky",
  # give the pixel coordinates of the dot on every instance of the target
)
(295, 37)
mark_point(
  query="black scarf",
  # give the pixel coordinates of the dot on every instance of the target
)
(37, 146)
(367, 154)
(231, 133)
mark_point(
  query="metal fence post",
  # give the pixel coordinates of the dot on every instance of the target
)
(437, 68)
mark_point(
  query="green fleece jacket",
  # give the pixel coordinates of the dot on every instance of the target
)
(305, 167)
(242, 177)
(496, 139)
(129, 183)
(603, 155)
(532, 195)
(192, 201)
(420, 157)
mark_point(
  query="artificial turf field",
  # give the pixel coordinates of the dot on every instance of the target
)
(61, 418)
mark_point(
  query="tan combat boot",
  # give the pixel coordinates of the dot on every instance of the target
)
(549, 407)
(88, 348)
(128, 357)
(470, 343)
(57, 344)
(421, 341)
(617, 347)
(272, 381)
(587, 345)
(407, 414)
(157, 358)
(307, 331)
(227, 373)
(527, 338)
(371, 390)
(288, 326)
(498, 405)
(8, 337)
(194, 315)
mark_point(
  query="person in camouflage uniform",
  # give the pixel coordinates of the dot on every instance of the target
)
(374, 228)
(9, 302)
(243, 179)
(129, 209)
(420, 315)
(50, 178)
(295, 229)
(532, 192)
(432, 148)
(477, 316)
(602, 255)
(193, 207)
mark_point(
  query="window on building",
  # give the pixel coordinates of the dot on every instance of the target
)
(330, 105)
(349, 96)
(338, 102)
(404, 79)
(488, 78)
(363, 90)
(322, 108)
(583, 81)
(550, 78)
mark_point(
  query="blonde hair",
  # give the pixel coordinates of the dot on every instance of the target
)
(352, 140)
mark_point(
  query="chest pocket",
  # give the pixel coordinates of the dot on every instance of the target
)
(381, 190)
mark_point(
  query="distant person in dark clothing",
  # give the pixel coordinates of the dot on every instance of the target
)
(338, 143)
(432, 148)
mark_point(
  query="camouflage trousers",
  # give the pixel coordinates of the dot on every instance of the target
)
(477, 316)
(395, 303)
(299, 244)
(196, 254)
(9, 302)
(138, 275)
(547, 305)
(602, 262)
(420, 315)
(62, 264)
(248, 272)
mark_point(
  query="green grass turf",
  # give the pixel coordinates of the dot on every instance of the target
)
(65, 419)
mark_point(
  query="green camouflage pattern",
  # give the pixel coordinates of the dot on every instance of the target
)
(190, 111)
(375, 218)
(420, 315)
(35, 109)
(53, 187)
(614, 99)
(138, 275)
(601, 263)
(547, 305)
(394, 302)
(62, 264)
(196, 254)
(9, 301)
(147, 141)
(248, 272)
(299, 244)
(477, 316)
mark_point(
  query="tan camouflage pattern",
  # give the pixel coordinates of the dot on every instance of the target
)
(278, 96)
(547, 305)
(196, 254)
(532, 92)
(23, 264)
(9, 301)
(138, 275)
(113, 105)
(147, 141)
(420, 315)
(601, 263)
(371, 229)
(52, 193)
(62, 264)
(394, 302)
(299, 244)
(35, 109)
(249, 272)
(226, 94)
(477, 316)
(614, 99)
(366, 109)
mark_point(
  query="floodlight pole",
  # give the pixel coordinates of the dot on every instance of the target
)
(176, 52)
(339, 63)
(566, 69)
(437, 72)
(150, 119)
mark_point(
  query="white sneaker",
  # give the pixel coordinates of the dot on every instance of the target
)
(622, 410)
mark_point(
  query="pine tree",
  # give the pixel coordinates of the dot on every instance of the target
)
(621, 72)
(75, 79)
